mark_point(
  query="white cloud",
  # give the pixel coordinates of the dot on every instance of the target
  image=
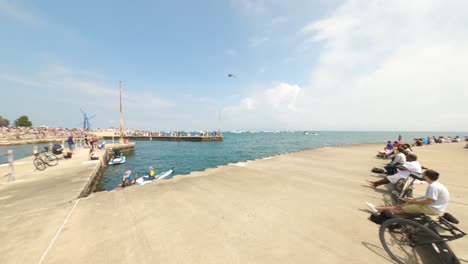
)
(248, 104)
(279, 20)
(266, 108)
(283, 95)
(390, 60)
(68, 90)
(251, 7)
(258, 41)
(20, 14)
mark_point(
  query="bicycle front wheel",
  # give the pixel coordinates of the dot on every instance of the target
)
(407, 241)
(52, 160)
(39, 164)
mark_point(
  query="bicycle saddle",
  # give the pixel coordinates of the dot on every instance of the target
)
(416, 175)
(450, 218)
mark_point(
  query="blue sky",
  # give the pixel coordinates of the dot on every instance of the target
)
(299, 65)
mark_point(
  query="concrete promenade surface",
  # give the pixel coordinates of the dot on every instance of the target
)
(305, 207)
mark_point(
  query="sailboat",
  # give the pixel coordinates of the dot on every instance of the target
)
(118, 157)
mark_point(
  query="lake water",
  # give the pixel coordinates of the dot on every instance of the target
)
(236, 147)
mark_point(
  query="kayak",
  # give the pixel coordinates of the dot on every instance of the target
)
(118, 160)
(163, 175)
(147, 179)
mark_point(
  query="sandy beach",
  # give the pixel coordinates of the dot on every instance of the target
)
(305, 207)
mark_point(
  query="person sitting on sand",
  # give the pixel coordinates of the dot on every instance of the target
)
(433, 203)
(398, 160)
(127, 179)
(412, 165)
(388, 150)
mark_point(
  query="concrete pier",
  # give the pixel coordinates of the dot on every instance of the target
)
(33, 206)
(294, 208)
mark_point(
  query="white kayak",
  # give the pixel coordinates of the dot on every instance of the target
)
(147, 179)
(163, 175)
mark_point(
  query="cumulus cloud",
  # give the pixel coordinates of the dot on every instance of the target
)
(398, 60)
(377, 65)
(266, 107)
(248, 104)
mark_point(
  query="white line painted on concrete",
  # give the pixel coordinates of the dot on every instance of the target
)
(58, 232)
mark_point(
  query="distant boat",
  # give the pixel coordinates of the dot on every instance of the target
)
(315, 134)
(306, 133)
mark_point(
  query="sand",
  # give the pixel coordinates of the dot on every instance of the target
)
(305, 207)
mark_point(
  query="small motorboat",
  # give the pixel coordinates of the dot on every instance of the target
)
(118, 158)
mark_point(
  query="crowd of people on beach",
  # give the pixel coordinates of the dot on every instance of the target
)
(403, 162)
(19, 133)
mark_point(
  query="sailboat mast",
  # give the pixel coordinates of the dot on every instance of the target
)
(121, 141)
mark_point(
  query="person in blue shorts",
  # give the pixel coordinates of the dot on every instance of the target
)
(71, 143)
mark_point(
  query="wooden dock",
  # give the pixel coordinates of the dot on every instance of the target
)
(171, 138)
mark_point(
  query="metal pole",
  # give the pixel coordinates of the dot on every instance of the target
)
(12, 167)
(121, 141)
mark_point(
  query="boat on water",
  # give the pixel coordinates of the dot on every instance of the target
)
(315, 134)
(148, 179)
(117, 160)
(306, 133)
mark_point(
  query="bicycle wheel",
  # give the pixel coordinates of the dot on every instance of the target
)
(39, 164)
(51, 160)
(403, 239)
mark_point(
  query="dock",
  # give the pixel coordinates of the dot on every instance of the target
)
(34, 204)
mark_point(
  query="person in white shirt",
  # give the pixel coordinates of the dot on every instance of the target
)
(411, 165)
(433, 203)
(398, 160)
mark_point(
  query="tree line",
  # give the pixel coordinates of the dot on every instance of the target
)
(22, 121)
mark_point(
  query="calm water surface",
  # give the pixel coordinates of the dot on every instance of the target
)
(236, 147)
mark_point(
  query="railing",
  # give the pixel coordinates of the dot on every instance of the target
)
(11, 160)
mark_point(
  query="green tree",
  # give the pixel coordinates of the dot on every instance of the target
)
(4, 122)
(23, 121)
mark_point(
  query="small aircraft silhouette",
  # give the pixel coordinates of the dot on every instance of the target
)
(231, 76)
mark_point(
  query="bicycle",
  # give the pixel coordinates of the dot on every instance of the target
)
(404, 187)
(419, 239)
(44, 158)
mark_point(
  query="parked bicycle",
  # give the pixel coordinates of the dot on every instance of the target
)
(420, 239)
(404, 187)
(44, 158)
